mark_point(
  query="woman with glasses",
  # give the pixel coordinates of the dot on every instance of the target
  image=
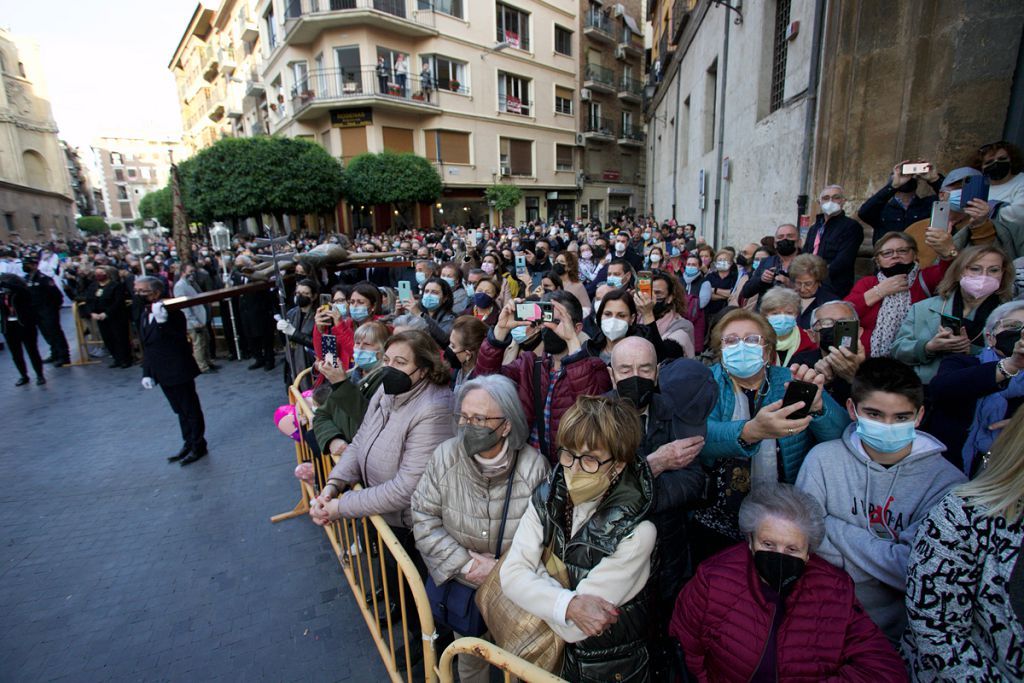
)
(753, 439)
(974, 395)
(882, 300)
(953, 320)
(468, 504)
(807, 275)
(581, 557)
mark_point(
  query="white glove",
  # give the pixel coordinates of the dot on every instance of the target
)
(147, 382)
(286, 327)
(159, 312)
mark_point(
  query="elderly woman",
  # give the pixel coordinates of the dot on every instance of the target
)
(883, 300)
(963, 580)
(952, 321)
(468, 504)
(752, 439)
(781, 306)
(772, 610)
(807, 275)
(590, 587)
(973, 395)
(468, 334)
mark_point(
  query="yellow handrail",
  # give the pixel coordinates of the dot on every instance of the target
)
(303, 453)
(494, 655)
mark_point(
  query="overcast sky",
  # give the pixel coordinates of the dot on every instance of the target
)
(106, 62)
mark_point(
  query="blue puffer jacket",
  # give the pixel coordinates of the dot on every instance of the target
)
(723, 431)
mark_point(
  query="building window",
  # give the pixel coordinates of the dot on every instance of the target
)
(452, 7)
(453, 146)
(132, 173)
(37, 224)
(516, 156)
(563, 157)
(9, 222)
(779, 50)
(116, 159)
(710, 104)
(118, 175)
(595, 122)
(563, 40)
(513, 94)
(563, 100)
(448, 73)
(513, 27)
(122, 193)
(271, 26)
(300, 76)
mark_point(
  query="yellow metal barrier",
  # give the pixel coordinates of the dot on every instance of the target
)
(83, 345)
(303, 453)
(513, 666)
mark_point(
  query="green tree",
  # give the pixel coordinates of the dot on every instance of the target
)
(93, 225)
(157, 204)
(503, 197)
(398, 180)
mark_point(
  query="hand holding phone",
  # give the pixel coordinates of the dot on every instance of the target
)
(940, 215)
(404, 291)
(796, 391)
(535, 311)
(914, 169)
(644, 283)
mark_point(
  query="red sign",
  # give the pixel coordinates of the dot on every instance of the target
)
(805, 221)
(514, 105)
(613, 176)
(512, 38)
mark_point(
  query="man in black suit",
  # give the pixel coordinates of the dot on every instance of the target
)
(836, 238)
(47, 300)
(167, 360)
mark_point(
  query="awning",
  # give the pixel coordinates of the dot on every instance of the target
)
(632, 24)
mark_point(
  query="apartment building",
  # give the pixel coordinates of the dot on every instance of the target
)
(86, 199)
(611, 117)
(125, 169)
(486, 90)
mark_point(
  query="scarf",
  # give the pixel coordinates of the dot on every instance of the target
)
(987, 410)
(784, 348)
(891, 313)
(764, 466)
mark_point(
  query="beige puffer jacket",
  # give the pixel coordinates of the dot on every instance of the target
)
(456, 509)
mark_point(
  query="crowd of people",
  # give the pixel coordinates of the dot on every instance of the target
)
(667, 459)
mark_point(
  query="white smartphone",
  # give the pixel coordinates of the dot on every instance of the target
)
(914, 169)
(940, 215)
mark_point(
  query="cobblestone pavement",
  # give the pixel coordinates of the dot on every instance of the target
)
(116, 565)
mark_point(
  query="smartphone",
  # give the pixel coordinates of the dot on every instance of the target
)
(643, 283)
(951, 323)
(846, 333)
(325, 300)
(940, 215)
(530, 311)
(975, 187)
(520, 264)
(404, 290)
(329, 349)
(797, 391)
(914, 169)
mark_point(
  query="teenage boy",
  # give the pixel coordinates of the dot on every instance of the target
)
(876, 484)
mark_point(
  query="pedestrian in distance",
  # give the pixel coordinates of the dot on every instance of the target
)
(18, 323)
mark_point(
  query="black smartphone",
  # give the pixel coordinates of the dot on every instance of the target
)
(953, 324)
(797, 391)
(975, 187)
(846, 333)
(530, 311)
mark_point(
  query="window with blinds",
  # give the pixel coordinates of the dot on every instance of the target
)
(563, 100)
(453, 145)
(563, 157)
(397, 139)
(516, 156)
(353, 143)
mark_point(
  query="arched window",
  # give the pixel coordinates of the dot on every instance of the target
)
(36, 172)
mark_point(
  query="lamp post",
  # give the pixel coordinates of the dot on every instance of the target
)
(221, 238)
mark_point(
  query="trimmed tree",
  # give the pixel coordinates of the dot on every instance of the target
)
(503, 197)
(157, 204)
(396, 180)
(93, 225)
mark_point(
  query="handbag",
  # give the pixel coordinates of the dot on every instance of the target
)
(452, 603)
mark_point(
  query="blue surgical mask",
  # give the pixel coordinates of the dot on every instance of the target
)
(885, 438)
(519, 334)
(431, 301)
(450, 281)
(647, 235)
(342, 309)
(364, 358)
(470, 291)
(359, 313)
(782, 323)
(614, 281)
(743, 360)
(691, 271)
(954, 200)
(421, 277)
(755, 265)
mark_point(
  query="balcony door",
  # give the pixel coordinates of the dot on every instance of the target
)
(350, 81)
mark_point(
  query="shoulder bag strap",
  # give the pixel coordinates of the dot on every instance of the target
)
(504, 510)
(538, 404)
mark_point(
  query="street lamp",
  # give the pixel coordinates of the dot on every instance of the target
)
(221, 238)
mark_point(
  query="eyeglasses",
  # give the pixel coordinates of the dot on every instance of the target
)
(828, 323)
(475, 420)
(588, 463)
(994, 271)
(833, 197)
(734, 339)
(889, 253)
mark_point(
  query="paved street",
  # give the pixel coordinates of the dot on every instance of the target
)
(116, 565)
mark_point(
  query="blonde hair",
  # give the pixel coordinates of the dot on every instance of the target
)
(968, 257)
(767, 331)
(610, 424)
(1000, 486)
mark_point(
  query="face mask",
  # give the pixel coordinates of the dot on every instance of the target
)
(364, 358)
(897, 269)
(587, 254)
(302, 301)
(743, 360)
(583, 486)
(655, 258)
(979, 286)
(785, 247)
(395, 381)
(954, 200)
(756, 264)
(782, 323)
(1006, 340)
(431, 301)
(830, 208)
(660, 308)
(342, 309)
(478, 439)
(997, 170)
(885, 438)
(450, 281)
(637, 389)
(487, 267)
(778, 570)
(742, 261)
(722, 266)
(421, 277)
(470, 290)
(552, 342)
(614, 328)
(620, 248)
(483, 300)
(691, 271)
(647, 236)
(519, 334)
(613, 281)
(559, 269)
(359, 313)
(909, 186)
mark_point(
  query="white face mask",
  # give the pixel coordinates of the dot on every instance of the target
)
(614, 328)
(722, 266)
(830, 208)
(655, 258)
(620, 248)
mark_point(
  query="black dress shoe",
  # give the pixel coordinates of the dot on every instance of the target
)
(21, 382)
(269, 366)
(40, 381)
(115, 364)
(195, 456)
(61, 362)
(213, 367)
(125, 365)
(185, 450)
(257, 365)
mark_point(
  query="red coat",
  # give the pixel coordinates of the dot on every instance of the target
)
(868, 315)
(722, 620)
(580, 375)
(344, 332)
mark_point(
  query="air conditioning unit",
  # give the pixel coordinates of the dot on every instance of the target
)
(580, 140)
(585, 94)
(620, 53)
(620, 9)
(506, 170)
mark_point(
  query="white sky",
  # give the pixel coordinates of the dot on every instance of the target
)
(105, 62)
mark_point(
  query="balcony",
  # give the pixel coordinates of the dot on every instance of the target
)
(248, 31)
(631, 136)
(630, 89)
(630, 44)
(599, 78)
(598, 129)
(226, 57)
(306, 19)
(330, 88)
(211, 63)
(597, 26)
(253, 84)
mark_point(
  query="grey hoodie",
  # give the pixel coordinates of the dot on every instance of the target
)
(872, 513)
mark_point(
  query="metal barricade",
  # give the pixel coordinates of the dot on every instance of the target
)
(303, 453)
(84, 358)
(514, 668)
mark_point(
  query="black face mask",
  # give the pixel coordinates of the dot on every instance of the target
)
(897, 269)
(785, 247)
(661, 308)
(742, 261)
(559, 269)
(909, 186)
(1006, 340)
(552, 342)
(531, 343)
(997, 170)
(395, 381)
(451, 357)
(302, 301)
(637, 389)
(541, 255)
(780, 571)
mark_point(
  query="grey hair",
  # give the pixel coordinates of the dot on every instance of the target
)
(502, 391)
(785, 502)
(780, 298)
(411, 322)
(850, 307)
(829, 187)
(153, 283)
(1000, 312)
